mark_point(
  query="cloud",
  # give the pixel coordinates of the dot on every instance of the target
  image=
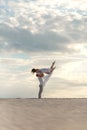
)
(21, 39)
(33, 33)
(37, 26)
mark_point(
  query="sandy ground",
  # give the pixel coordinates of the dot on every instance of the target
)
(43, 114)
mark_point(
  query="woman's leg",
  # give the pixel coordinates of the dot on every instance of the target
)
(47, 77)
(52, 65)
(52, 69)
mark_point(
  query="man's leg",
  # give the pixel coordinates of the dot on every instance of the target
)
(40, 87)
(40, 91)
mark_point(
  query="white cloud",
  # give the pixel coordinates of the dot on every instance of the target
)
(43, 30)
(52, 21)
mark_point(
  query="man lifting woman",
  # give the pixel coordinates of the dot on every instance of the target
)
(43, 75)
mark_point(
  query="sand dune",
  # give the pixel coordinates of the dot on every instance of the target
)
(43, 114)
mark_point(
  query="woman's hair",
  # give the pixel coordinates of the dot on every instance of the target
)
(33, 70)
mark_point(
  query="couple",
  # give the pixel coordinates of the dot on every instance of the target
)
(43, 75)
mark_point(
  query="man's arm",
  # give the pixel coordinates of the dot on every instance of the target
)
(40, 75)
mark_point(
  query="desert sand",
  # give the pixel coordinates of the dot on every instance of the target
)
(43, 114)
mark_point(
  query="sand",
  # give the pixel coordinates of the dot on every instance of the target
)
(43, 114)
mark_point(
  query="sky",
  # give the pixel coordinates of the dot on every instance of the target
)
(34, 33)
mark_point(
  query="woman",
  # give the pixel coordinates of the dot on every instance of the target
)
(43, 76)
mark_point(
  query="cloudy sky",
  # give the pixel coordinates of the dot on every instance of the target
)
(34, 33)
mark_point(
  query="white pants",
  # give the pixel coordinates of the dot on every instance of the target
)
(44, 79)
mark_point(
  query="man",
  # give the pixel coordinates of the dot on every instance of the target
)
(43, 75)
